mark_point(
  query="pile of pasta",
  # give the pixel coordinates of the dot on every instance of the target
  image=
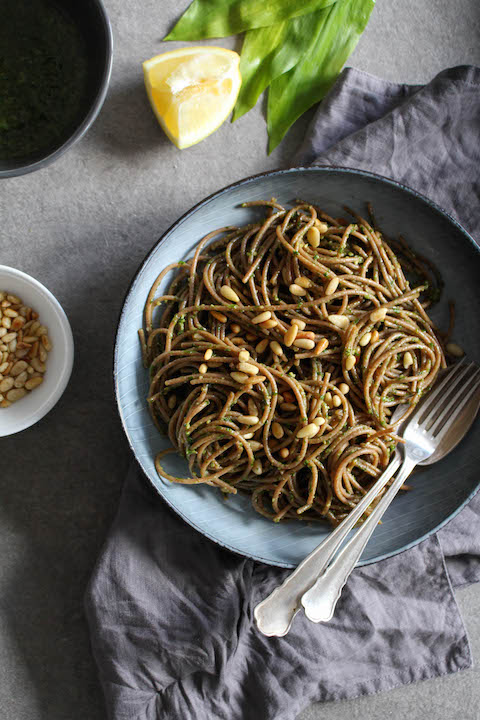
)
(278, 354)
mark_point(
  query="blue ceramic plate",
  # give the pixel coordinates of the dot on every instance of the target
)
(439, 491)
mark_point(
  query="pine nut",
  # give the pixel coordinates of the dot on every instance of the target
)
(3, 332)
(262, 346)
(235, 328)
(244, 355)
(308, 431)
(455, 350)
(240, 377)
(5, 404)
(276, 348)
(15, 394)
(344, 388)
(375, 336)
(14, 299)
(332, 285)
(378, 315)
(21, 379)
(46, 342)
(309, 335)
(277, 430)
(313, 237)
(229, 294)
(10, 313)
(336, 401)
(250, 337)
(30, 339)
(365, 339)
(323, 227)
(304, 343)
(288, 407)
(288, 396)
(304, 282)
(219, 316)
(248, 368)
(257, 467)
(9, 337)
(319, 421)
(269, 324)
(262, 317)
(19, 367)
(340, 321)
(328, 398)
(299, 323)
(208, 354)
(33, 383)
(255, 445)
(257, 379)
(6, 322)
(238, 341)
(407, 359)
(248, 436)
(350, 362)
(247, 419)
(3, 367)
(284, 453)
(18, 323)
(290, 335)
(172, 400)
(321, 346)
(297, 290)
(252, 408)
(6, 384)
(203, 369)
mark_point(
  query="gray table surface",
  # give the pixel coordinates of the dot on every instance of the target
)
(81, 227)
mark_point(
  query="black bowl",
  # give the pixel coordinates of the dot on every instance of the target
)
(92, 21)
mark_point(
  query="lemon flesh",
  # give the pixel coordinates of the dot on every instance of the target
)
(192, 91)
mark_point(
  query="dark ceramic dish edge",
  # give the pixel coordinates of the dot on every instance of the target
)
(436, 208)
(92, 114)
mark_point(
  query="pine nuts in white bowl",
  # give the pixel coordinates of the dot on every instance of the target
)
(27, 410)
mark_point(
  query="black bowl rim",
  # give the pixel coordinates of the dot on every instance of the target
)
(92, 113)
(312, 168)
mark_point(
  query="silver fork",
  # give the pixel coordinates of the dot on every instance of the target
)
(424, 431)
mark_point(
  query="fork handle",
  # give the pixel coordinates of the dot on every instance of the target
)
(320, 600)
(275, 614)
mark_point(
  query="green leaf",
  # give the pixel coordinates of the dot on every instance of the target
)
(335, 32)
(267, 53)
(219, 18)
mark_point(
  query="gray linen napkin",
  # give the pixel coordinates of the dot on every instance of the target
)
(170, 613)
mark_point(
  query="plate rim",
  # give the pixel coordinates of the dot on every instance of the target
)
(268, 174)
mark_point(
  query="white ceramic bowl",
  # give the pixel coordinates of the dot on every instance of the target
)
(39, 402)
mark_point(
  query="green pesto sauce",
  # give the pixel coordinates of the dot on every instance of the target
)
(43, 77)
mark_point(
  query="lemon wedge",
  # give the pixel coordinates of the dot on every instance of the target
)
(192, 91)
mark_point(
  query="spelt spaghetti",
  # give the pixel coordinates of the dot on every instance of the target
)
(279, 352)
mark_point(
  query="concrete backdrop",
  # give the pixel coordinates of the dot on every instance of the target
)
(81, 227)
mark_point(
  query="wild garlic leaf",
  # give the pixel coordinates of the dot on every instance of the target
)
(335, 32)
(219, 18)
(267, 53)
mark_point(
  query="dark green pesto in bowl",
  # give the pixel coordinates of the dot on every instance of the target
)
(43, 77)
